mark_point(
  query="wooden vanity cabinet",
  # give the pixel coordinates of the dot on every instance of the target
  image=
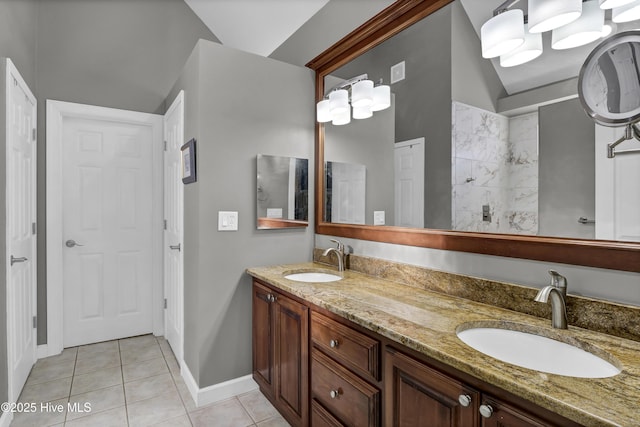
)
(281, 352)
(504, 415)
(417, 395)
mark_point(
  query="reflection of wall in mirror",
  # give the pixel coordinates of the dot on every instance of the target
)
(282, 187)
(495, 164)
(369, 143)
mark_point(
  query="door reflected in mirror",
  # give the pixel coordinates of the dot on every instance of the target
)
(282, 192)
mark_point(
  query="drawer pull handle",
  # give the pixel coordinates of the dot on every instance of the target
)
(486, 411)
(465, 400)
(333, 343)
(334, 394)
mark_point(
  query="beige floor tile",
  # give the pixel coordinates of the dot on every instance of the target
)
(148, 368)
(67, 355)
(228, 413)
(95, 401)
(147, 388)
(96, 362)
(181, 421)
(187, 399)
(258, 407)
(274, 422)
(172, 363)
(96, 380)
(135, 356)
(55, 414)
(155, 410)
(138, 343)
(116, 417)
(97, 348)
(46, 392)
(46, 373)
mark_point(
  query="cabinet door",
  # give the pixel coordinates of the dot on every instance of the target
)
(504, 415)
(292, 358)
(417, 395)
(263, 326)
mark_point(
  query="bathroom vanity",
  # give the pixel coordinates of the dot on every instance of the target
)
(367, 351)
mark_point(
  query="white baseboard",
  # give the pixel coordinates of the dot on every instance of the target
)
(5, 419)
(216, 392)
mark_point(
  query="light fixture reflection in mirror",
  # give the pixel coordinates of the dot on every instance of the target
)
(282, 185)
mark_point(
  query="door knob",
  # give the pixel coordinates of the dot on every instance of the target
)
(175, 247)
(71, 243)
(19, 259)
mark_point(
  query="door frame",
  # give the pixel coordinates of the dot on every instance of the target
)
(57, 111)
(12, 71)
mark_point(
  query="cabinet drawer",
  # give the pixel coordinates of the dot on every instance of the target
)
(321, 418)
(351, 348)
(347, 397)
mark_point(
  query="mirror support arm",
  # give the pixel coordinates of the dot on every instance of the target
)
(631, 131)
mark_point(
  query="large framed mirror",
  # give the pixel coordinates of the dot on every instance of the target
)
(479, 125)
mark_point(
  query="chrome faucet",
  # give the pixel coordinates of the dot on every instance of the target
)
(557, 290)
(339, 251)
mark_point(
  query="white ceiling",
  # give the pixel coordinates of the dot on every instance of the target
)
(256, 26)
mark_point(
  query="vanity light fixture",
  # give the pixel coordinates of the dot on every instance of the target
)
(610, 4)
(358, 93)
(626, 13)
(546, 15)
(530, 50)
(586, 29)
(502, 33)
(608, 28)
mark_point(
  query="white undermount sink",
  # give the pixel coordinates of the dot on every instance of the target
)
(313, 277)
(536, 352)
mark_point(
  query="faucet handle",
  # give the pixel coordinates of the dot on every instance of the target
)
(339, 243)
(558, 281)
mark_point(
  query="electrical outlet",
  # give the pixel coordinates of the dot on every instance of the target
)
(227, 221)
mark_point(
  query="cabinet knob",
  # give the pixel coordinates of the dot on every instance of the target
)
(486, 411)
(272, 298)
(333, 343)
(465, 400)
(334, 394)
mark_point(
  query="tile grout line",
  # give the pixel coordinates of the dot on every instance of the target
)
(124, 390)
(171, 373)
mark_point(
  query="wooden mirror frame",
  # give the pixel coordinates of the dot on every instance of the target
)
(400, 15)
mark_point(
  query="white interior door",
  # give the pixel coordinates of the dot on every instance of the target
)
(348, 192)
(107, 228)
(20, 233)
(409, 183)
(617, 189)
(173, 232)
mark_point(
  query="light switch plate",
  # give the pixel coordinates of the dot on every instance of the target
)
(378, 217)
(227, 221)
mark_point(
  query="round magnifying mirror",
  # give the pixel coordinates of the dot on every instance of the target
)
(609, 82)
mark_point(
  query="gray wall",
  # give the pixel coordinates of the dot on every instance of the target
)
(18, 32)
(566, 171)
(18, 23)
(113, 53)
(422, 100)
(474, 80)
(230, 131)
(370, 143)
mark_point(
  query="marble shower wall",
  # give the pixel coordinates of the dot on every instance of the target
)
(495, 163)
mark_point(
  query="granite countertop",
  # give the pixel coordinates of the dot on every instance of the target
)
(427, 322)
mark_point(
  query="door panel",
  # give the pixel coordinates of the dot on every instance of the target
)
(21, 241)
(173, 234)
(409, 183)
(107, 202)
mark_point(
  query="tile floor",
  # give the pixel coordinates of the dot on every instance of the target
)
(129, 382)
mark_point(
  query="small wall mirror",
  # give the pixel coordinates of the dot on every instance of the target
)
(282, 192)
